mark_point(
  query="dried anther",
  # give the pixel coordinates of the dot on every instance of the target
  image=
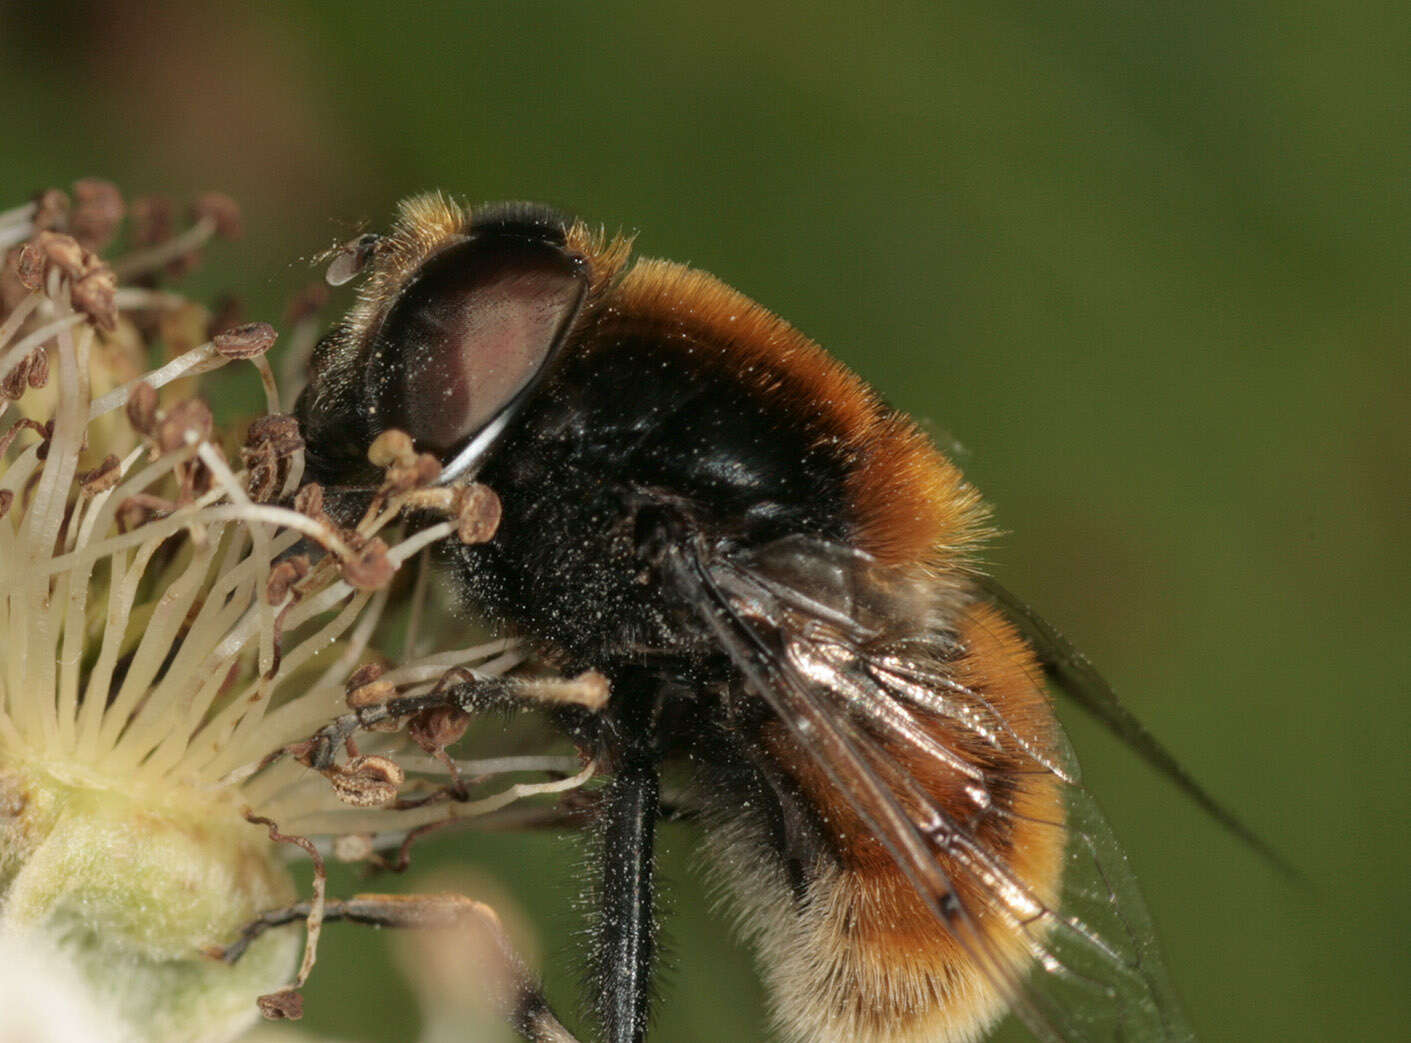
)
(13, 385)
(98, 210)
(392, 448)
(22, 424)
(223, 211)
(269, 448)
(188, 418)
(62, 252)
(245, 342)
(51, 209)
(477, 514)
(405, 468)
(45, 431)
(94, 285)
(95, 294)
(306, 752)
(284, 1005)
(437, 727)
(29, 266)
(38, 368)
(366, 688)
(427, 469)
(369, 781)
(365, 674)
(7, 497)
(279, 432)
(414, 472)
(284, 576)
(103, 477)
(131, 515)
(308, 501)
(142, 409)
(152, 220)
(264, 480)
(369, 567)
(139, 509)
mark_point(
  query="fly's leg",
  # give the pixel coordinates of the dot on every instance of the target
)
(626, 931)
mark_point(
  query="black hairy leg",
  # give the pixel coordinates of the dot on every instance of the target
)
(576, 700)
(626, 931)
(625, 934)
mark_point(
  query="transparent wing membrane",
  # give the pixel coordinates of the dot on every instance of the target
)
(858, 660)
(1100, 963)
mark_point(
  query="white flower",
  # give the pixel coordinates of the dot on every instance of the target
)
(161, 647)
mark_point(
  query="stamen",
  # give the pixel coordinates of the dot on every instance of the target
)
(139, 298)
(158, 257)
(353, 821)
(163, 636)
(16, 318)
(38, 338)
(199, 360)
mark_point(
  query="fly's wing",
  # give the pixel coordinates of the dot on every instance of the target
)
(850, 656)
(1076, 677)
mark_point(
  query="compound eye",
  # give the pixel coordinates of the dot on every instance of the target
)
(470, 334)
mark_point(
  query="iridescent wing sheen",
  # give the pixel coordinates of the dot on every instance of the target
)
(850, 656)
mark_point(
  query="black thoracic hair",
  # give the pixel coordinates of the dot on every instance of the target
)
(591, 469)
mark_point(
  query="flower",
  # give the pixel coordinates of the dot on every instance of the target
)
(169, 644)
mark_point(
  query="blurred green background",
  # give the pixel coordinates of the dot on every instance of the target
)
(1147, 263)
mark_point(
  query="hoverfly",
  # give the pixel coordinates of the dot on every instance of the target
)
(777, 573)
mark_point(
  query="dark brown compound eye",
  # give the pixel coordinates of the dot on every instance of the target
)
(470, 335)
